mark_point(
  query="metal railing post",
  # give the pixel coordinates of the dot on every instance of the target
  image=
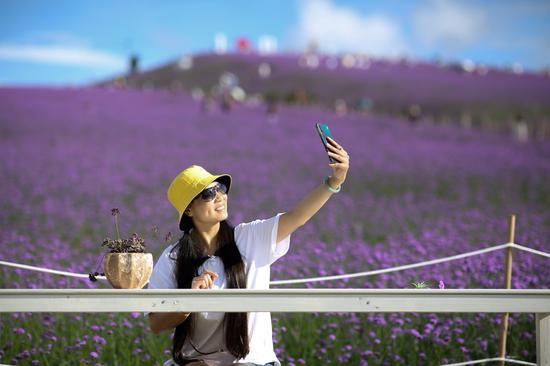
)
(543, 339)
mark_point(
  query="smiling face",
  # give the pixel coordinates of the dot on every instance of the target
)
(209, 212)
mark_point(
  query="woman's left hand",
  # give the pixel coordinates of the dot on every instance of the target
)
(341, 166)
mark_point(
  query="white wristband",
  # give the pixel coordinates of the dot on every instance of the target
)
(330, 188)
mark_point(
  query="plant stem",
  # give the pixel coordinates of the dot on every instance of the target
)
(116, 225)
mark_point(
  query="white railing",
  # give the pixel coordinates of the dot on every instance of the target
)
(276, 300)
(292, 300)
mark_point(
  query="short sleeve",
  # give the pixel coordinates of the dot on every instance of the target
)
(257, 241)
(163, 275)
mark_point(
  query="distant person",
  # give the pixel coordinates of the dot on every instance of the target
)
(414, 113)
(363, 105)
(207, 103)
(212, 254)
(271, 111)
(226, 102)
(521, 129)
(301, 97)
(133, 65)
(340, 107)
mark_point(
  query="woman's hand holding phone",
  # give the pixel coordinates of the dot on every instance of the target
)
(341, 166)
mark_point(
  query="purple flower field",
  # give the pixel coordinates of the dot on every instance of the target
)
(413, 193)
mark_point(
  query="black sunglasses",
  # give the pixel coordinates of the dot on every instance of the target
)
(210, 193)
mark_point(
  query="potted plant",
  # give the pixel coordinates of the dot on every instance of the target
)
(127, 265)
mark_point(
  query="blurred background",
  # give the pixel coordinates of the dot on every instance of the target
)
(481, 61)
(443, 106)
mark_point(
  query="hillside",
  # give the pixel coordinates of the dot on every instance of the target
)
(482, 96)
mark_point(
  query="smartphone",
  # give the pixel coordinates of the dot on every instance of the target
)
(324, 132)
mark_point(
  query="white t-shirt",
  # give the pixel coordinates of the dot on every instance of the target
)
(256, 241)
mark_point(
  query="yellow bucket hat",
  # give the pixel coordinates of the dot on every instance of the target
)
(188, 184)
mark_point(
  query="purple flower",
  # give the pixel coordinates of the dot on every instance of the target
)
(99, 340)
(399, 321)
(441, 284)
(527, 335)
(94, 354)
(484, 343)
(415, 333)
(24, 354)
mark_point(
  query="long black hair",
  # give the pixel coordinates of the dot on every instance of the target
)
(190, 256)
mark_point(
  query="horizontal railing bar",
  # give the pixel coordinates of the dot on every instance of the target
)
(276, 300)
(285, 290)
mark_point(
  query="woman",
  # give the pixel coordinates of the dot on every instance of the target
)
(211, 254)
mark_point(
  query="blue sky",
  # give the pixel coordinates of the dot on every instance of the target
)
(77, 42)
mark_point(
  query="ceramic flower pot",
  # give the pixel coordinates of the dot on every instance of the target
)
(128, 270)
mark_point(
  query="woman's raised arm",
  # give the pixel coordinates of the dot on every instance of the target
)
(307, 207)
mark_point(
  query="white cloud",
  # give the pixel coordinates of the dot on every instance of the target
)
(338, 29)
(449, 24)
(55, 37)
(62, 55)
